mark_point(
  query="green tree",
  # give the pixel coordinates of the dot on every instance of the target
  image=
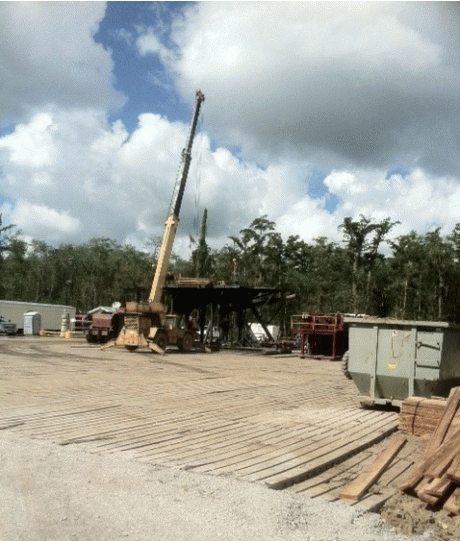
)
(407, 270)
(3, 239)
(3, 250)
(363, 239)
(223, 259)
(253, 246)
(39, 256)
(330, 269)
(439, 259)
(425, 276)
(202, 257)
(15, 269)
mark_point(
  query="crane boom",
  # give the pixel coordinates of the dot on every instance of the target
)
(145, 323)
(172, 220)
(186, 159)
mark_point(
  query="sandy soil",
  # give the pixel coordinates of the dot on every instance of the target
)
(52, 493)
(409, 515)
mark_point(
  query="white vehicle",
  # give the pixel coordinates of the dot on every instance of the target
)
(6, 327)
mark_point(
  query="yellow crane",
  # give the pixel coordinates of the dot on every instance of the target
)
(146, 323)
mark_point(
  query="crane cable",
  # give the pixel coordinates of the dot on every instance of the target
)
(198, 174)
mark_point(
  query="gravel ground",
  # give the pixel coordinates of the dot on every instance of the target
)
(52, 493)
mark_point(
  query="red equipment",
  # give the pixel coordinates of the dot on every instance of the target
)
(323, 334)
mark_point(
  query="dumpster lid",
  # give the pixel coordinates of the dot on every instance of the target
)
(368, 320)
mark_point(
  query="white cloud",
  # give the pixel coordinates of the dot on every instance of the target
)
(48, 55)
(32, 145)
(121, 186)
(418, 200)
(42, 178)
(40, 221)
(308, 220)
(343, 182)
(103, 182)
(348, 88)
(148, 43)
(80, 180)
(370, 84)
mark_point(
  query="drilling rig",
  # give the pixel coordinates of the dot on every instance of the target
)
(146, 324)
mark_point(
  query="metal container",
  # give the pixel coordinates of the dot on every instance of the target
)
(391, 359)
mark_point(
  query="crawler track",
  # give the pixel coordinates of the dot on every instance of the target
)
(277, 420)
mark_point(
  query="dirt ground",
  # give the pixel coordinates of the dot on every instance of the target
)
(404, 513)
(59, 492)
(410, 516)
(53, 493)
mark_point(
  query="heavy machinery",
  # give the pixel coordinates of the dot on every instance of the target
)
(146, 323)
(100, 324)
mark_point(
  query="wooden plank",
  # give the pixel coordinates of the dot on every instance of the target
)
(279, 478)
(431, 413)
(452, 504)
(261, 465)
(438, 487)
(422, 493)
(330, 483)
(242, 414)
(453, 402)
(337, 476)
(195, 437)
(448, 448)
(442, 464)
(453, 473)
(419, 404)
(373, 503)
(419, 426)
(309, 440)
(421, 416)
(361, 484)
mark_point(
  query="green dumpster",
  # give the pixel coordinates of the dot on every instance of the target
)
(391, 359)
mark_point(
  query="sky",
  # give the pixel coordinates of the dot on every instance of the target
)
(314, 112)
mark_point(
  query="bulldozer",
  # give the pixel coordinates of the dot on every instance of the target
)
(146, 324)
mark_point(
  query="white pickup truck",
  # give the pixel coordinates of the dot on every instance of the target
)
(6, 327)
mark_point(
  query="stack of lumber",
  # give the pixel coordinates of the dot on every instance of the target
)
(435, 478)
(420, 416)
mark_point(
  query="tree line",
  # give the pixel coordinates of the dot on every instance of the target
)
(414, 277)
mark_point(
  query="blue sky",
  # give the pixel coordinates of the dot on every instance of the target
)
(134, 73)
(313, 112)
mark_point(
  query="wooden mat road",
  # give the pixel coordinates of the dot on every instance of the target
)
(276, 420)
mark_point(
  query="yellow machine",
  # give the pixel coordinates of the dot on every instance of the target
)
(146, 323)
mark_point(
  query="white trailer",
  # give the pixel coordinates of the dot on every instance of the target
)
(50, 314)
